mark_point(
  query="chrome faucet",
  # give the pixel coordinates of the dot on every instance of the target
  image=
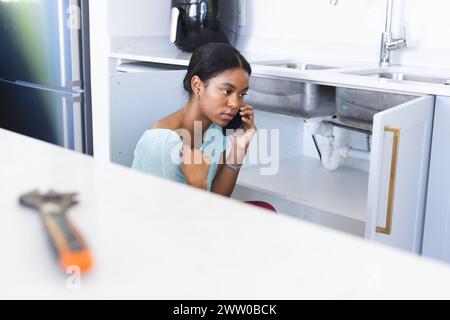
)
(388, 42)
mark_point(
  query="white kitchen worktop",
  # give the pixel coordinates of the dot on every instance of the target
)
(159, 51)
(155, 239)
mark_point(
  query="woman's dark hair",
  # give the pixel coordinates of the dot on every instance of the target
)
(211, 59)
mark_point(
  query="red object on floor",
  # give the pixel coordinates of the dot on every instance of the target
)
(262, 204)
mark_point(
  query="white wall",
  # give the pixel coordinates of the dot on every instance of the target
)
(138, 18)
(428, 25)
(313, 28)
(351, 30)
(351, 21)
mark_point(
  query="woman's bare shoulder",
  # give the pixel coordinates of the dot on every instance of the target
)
(171, 122)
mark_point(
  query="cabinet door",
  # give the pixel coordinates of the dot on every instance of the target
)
(437, 218)
(138, 100)
(398, 174)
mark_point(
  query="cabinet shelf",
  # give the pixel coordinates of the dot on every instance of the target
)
(304, 180)
(169, 57)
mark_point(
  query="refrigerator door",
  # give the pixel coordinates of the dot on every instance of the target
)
(40, 42)
(49, 115)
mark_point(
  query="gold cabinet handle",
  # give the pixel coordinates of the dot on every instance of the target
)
(392, 177)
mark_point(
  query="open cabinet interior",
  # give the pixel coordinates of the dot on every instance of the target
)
(291, 177)
(377, 190)
(358, 163)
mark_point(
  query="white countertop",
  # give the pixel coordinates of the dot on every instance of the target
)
(155, 239)
(160, 52)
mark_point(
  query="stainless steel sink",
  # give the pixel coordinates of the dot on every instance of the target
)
(410, 77)
(297, 65)
(402, 76)
(358, 107)
(290, 96)
(305, 99)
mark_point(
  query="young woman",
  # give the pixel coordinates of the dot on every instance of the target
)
(191, 145)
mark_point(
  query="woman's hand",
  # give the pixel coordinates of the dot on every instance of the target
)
(248, 117)
(240, 140)
(195, 166)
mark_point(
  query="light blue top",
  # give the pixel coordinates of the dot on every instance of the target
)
(158, 153)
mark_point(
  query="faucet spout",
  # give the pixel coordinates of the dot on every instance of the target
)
(388, 42)
(388, 22)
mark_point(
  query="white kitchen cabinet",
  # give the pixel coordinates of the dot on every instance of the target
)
(386, 203)
(437, 223)
(399, 173)
(140, 95)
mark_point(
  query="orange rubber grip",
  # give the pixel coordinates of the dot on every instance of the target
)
(71, 248)
(82, 260)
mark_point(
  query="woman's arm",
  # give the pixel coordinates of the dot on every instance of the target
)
(224, 181)
(195, 166)
(226, 176)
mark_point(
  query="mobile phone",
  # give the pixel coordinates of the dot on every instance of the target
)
(234, 124)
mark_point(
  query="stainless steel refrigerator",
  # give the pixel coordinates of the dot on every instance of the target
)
(44, 71)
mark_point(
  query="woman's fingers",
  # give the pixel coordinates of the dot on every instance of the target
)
(248, 116)
(247, 113)
(248, 122)
(247, 107)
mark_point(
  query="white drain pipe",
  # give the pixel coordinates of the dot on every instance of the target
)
(332, 158)
(359, 154)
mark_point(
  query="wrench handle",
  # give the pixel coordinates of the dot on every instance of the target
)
(68, 242)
